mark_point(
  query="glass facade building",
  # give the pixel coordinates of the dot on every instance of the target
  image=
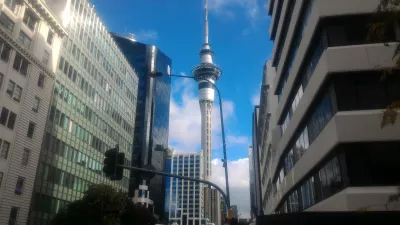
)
(92, 109)
(185, 197)
(152, 114)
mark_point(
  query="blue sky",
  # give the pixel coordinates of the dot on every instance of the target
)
(239, 37)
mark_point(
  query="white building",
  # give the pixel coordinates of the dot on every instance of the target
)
(325, 149)
(185, 197)
(30, 41)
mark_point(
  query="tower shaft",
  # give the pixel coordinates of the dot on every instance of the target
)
(206, 112)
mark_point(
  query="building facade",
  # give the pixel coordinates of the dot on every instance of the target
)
(251, 183)
(92, 109)
(30, 40)
(152, 115)
(256, 208)
(185, 197)
(212, 206)
(327, 150)
(267, 122)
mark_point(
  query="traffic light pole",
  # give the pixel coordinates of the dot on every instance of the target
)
(183, 178)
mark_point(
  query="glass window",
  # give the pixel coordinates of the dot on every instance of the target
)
(41, 80)
(25, 157)
(36, 103)
(50, 37)
(1, 79)
(6, 22)
(21, 64)
(19, 186)
(30, 19)
(14, 91)
(13, 5)
(24, 39)
(5, 50)
(31, 129)
(11, 120)
(14, 212)
(4, 148)
(46, 57)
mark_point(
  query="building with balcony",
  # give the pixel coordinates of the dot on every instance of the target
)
(325, 149)
(93, 107)
(185, 197)
(30, 41)
(152, 116)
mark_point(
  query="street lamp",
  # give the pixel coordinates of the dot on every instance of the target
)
(225, 162)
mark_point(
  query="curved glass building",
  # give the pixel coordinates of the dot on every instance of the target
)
(152, 118)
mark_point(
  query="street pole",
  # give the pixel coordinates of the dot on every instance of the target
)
(225, 163)
(181, 177)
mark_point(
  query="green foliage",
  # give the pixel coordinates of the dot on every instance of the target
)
(387, 17)
(103, 205)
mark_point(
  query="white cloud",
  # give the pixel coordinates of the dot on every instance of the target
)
(224, 7)
(255, 100)
(238, 172)
(185, 117)
(242, 140)
(146, 35)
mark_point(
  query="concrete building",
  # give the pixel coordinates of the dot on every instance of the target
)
(212, 205)
(326, 150)
(92, 109)
(256, 208)
(30, 40)
(251, 183)
(152, 116)
(235, 212)
(185, 197)
(267, 123)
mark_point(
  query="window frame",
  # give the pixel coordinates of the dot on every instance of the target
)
(28, 18)
(25, 157)
(41, 80)
(35, 106)
(3, 155)
(46, 57)
(30, 128)
(22, 179)
(24, 39)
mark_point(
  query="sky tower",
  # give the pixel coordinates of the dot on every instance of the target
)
(205, 73)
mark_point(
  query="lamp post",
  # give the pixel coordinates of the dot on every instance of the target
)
(224, 161)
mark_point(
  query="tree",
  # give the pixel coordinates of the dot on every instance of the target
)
(103, 205)
(387, 17)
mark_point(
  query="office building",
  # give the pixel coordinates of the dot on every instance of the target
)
(266, 124)
(30, 40)
(92, 109)
(327, 149)
(152, 116)
(185, 197)
(251, 183)
(212, 205)
(167, 182)
(256, 208)
(235, 212)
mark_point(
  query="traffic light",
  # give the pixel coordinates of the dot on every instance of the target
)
(111, 160)
(119, 170)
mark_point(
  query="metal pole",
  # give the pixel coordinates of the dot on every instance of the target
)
(223, 143)
(181, 177)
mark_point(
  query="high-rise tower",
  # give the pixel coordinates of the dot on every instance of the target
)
(206, 73)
